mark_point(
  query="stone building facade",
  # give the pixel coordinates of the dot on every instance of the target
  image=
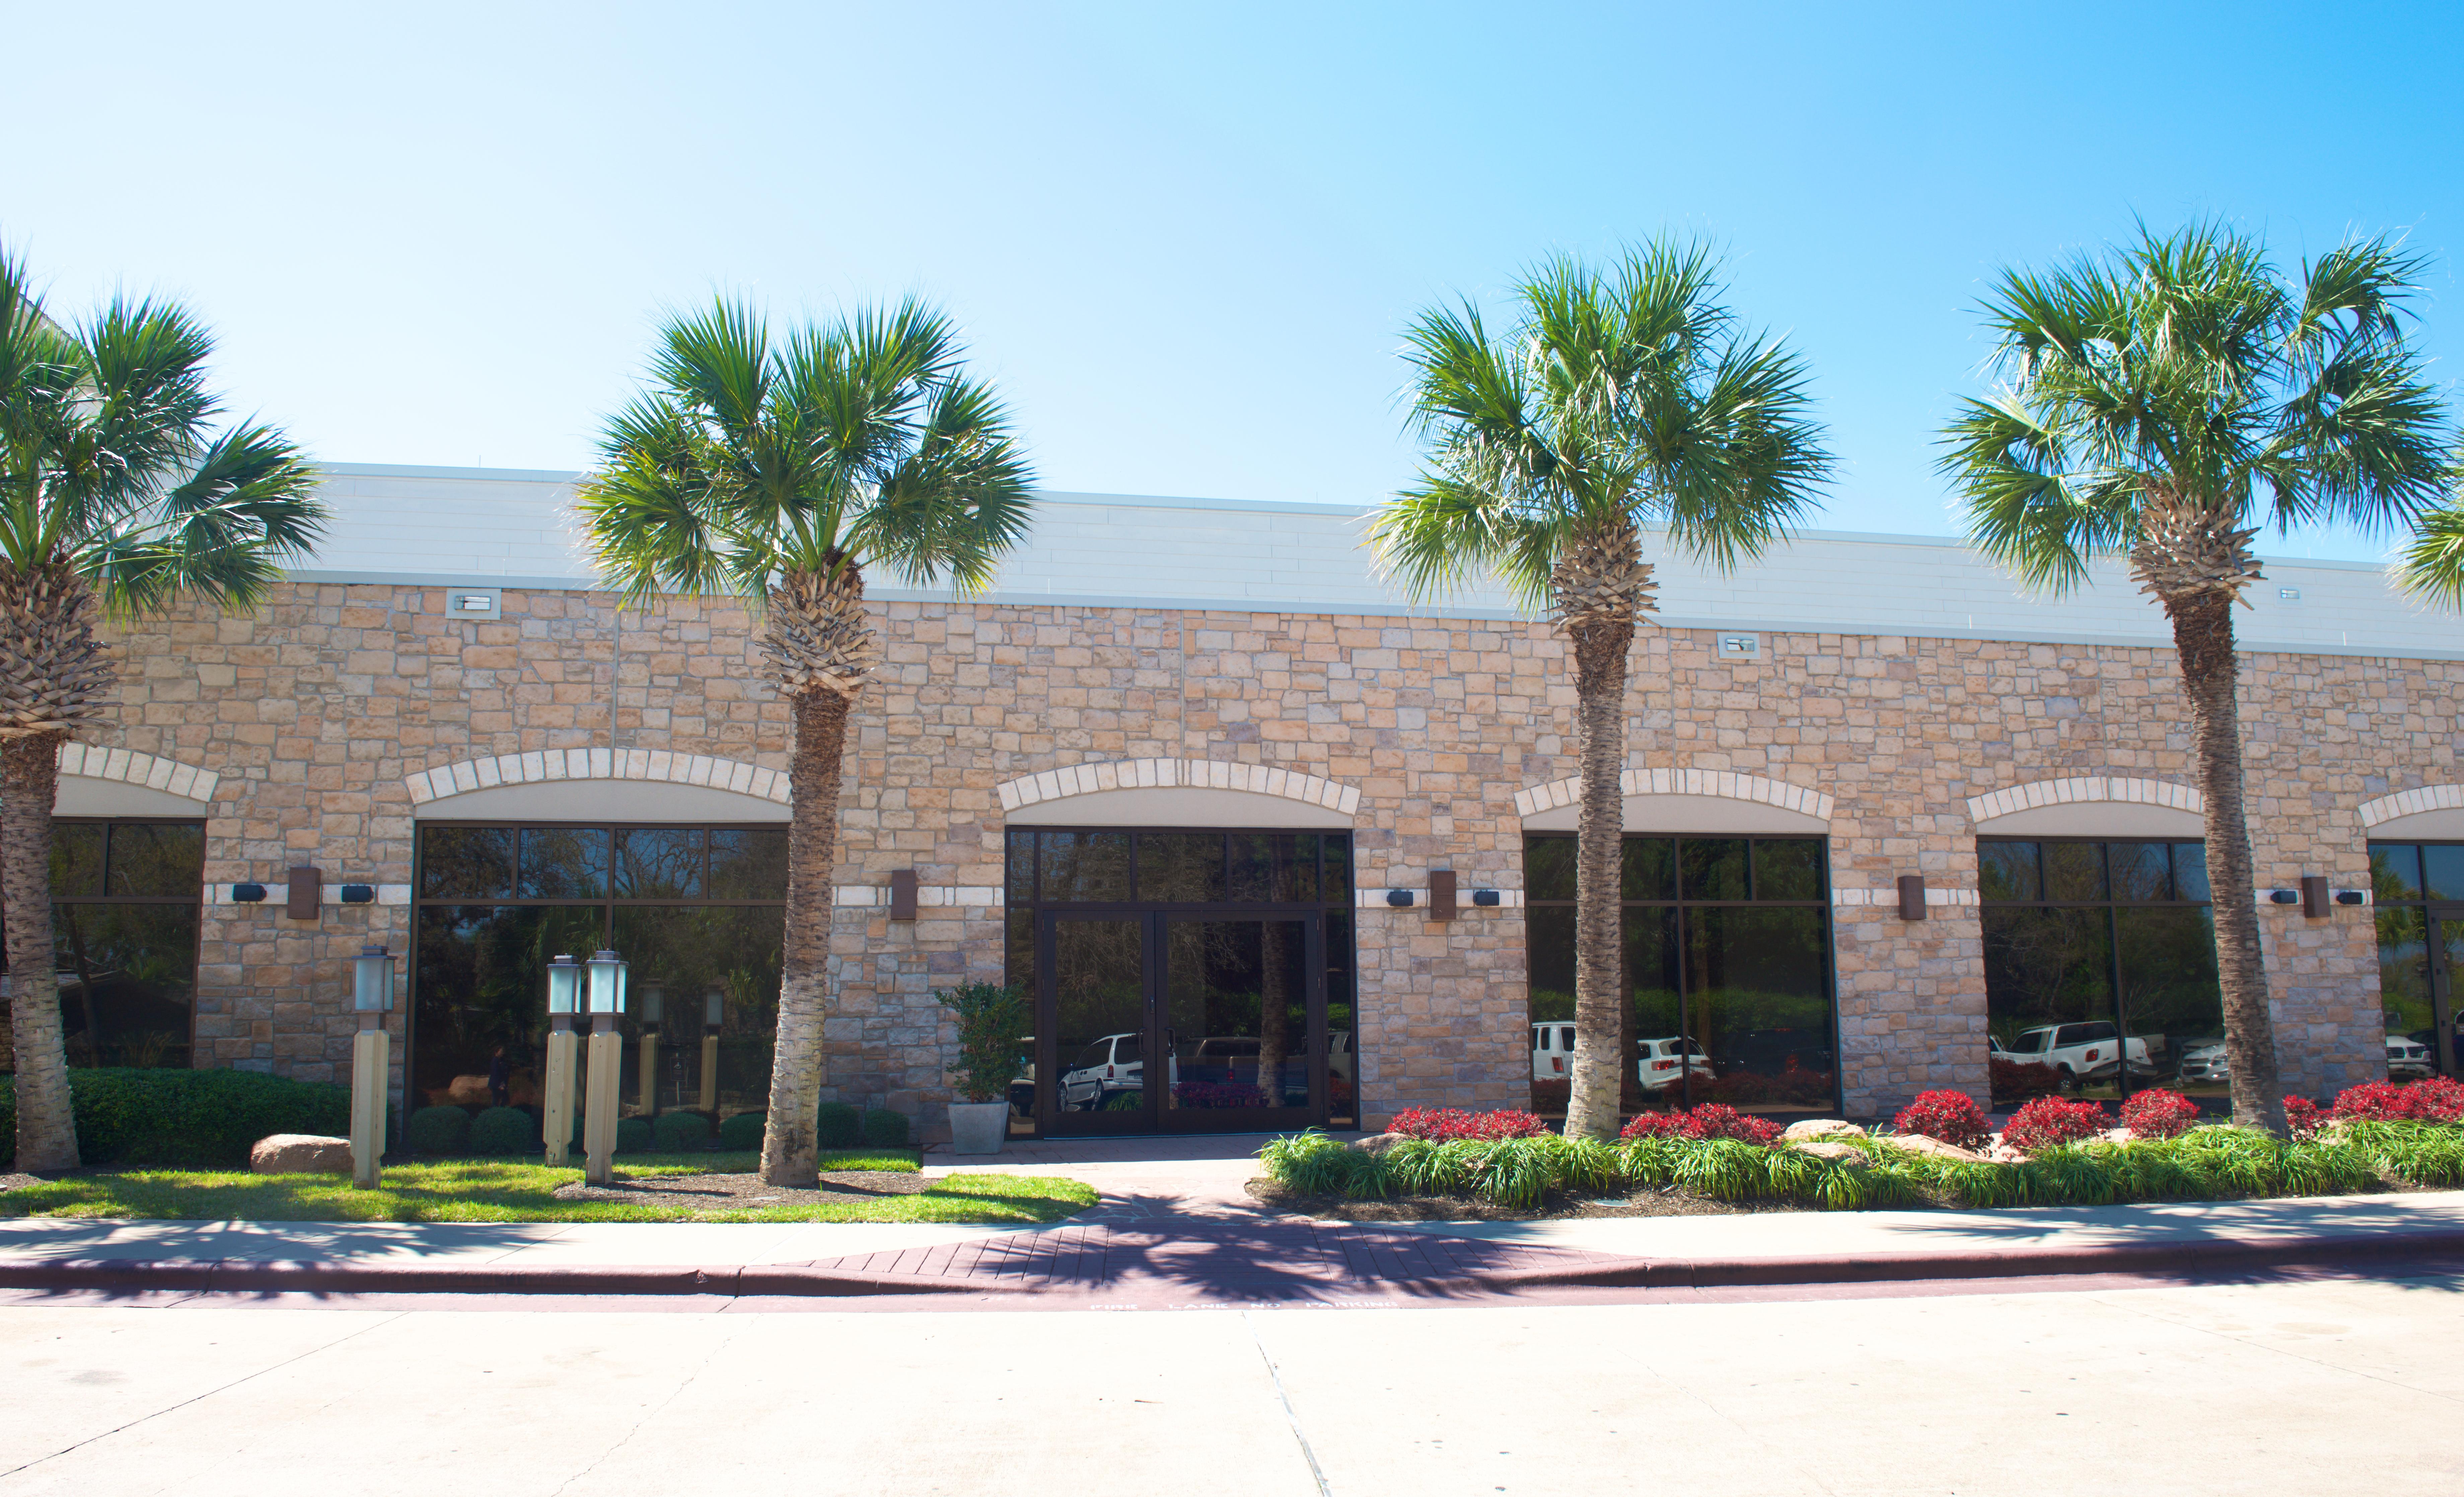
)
(325, 726)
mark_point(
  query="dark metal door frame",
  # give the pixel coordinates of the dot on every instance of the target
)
(1157, 1054)
(2443, 1059)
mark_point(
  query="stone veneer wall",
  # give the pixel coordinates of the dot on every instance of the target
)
(313, 712)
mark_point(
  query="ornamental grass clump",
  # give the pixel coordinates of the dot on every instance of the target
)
(1951, 1118)
(2048, 1122)
(2157, 1113)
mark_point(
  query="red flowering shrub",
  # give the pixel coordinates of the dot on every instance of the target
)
(2017, 1081)
(1660, 1125)
(2304, 1116)
(1951, 1117)
(1711, 1120)
(2157, 1113)
(2432, 1099)
(2048, 1121)
(1444, 1123)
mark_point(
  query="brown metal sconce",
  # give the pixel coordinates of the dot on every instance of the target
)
(1912, 896)
(1442, 894)
(902, 894)
(307, 896)
(2316, 901)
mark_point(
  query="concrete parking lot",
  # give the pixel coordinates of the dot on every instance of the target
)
(2321, 1387)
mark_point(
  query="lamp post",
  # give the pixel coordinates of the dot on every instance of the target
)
(607, 1052)
(654, 1005)
(371, 1062)
(713, 1009)
(564, 1001)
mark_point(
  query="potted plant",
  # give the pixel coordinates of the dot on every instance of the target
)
(992, 1021)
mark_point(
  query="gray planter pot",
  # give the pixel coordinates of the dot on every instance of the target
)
(978, 1127)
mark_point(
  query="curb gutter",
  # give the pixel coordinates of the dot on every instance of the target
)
(249, 1275)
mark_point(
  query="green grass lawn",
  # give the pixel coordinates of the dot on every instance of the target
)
(498, 1190)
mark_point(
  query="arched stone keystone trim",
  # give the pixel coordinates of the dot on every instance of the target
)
(1195, 774)
(2094, 788)
(2412, 802)
(93, 761)
(541, 766)
(1719, 782)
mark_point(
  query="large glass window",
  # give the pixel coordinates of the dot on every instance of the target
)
(699, 912)
(124, 906)
(2418, 890)
(2100, 968)
(1233, 988)
(1726, 971)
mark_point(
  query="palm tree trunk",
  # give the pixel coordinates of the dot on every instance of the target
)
(1600, 647)
(788, 1144)
(2203, 636)
(29, 783)
(1274, 1002)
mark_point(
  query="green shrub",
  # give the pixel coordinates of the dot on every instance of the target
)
(438, 1130)
(884, 1128)
(679, 1133)
(837, 1126)
(993, 1023)
(633, 1135)
(504, 1130)
(742, 1131)
(127, 1115)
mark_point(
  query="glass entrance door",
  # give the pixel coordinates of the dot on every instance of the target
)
(1157, 1021)
(2446, 953)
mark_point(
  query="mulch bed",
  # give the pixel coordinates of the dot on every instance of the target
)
(1466, 1208)
(20, 1182)
(742, 1192)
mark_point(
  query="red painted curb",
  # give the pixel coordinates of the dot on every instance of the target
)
(234, 1275)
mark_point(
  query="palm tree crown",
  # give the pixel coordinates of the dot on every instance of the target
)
(118, 496)
(1616, 398)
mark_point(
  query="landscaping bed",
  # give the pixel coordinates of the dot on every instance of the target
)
(2053, 1154)
(875, 1185)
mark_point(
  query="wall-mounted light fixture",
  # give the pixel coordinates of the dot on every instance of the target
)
(2314, 903)
(1486, 898)
(2284, 896)
(2352, 897)
(306, 898)
(359, 893)
(1400, 899)
(902, 894)
(248, 893)
(1912, 896)
(1441, 893)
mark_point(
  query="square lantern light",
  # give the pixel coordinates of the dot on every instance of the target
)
(713, 1009)
(607, 983)
(654, 1000)
(563, 985)
(372, 980)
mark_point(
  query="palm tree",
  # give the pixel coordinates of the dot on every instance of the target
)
(117, 497)
(1619, 398)
(2162, 403)
(779, 472)
(2433, 563)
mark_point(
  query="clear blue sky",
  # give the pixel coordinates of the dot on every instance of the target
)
(1182, 238)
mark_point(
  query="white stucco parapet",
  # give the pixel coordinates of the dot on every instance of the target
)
(543, 766)
(1718, 782)
(1195, 774)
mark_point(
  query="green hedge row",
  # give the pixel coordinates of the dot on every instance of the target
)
(2204, 1164)
(184, 1117)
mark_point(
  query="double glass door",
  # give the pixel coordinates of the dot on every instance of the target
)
(1157, 1021)
(2421, 958)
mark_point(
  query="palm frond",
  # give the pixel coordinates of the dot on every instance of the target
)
(2431, 564)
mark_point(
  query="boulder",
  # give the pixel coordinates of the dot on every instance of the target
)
(301, 1153)
(1845, 1153)
(1921, 1143)
(1821, 1127)
(1379, 1143)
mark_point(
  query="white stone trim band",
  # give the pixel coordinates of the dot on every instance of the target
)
(926, 896)
(1719, 782)
(544, 765)
(2094, 787)
(93, 761)
(2412, 802)
(1934, 897)
(1376, 899)
(1195, 774)
(275, 894)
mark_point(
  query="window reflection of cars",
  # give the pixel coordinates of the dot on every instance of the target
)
(1664, 1063)
(2407, 1057)
(2204, 1061)
(1103, 1071)
(1338, 1054)
(1552, 1051)
(2079, 1053)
